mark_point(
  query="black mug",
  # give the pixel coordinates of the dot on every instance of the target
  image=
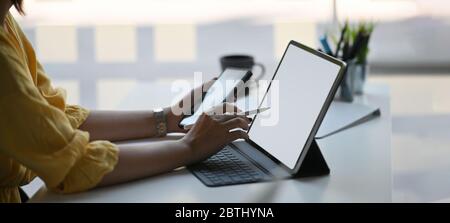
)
(242, 62)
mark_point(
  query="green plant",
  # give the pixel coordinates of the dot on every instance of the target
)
(366, 28)
(355, 44)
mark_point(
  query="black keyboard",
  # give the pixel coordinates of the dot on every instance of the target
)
(227, 167)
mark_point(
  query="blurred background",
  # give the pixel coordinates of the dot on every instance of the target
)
(99, 49)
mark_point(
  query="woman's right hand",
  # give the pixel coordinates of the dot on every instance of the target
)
(212, 132)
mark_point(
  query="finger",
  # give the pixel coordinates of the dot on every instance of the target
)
(203, 117)
(248, 119)
(226, 117)
(234, 135)
(237, 122)
(222, 118)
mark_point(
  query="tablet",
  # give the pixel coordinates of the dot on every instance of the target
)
(299, 95)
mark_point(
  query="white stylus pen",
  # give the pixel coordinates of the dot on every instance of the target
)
(246, 113)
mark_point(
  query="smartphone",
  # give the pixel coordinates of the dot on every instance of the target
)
(221, 90)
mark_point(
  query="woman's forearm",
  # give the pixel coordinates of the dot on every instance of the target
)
(119, 125)
(143, 160)
(125, 125)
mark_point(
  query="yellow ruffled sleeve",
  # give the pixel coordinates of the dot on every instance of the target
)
(57, 97)
(54, 96)
(76, 115)
(41, 136)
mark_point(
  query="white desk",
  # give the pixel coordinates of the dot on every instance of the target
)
(359, 159)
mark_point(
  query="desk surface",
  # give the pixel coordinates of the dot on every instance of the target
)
(359, 159)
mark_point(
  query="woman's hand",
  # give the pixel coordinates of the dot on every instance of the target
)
(211, 132)
(175, 113)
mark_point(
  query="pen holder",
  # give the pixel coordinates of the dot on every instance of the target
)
(353, 82)
(357, 75)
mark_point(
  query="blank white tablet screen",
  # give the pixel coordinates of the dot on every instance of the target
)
(304, 82)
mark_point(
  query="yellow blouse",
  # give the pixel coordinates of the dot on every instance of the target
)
(38, 131)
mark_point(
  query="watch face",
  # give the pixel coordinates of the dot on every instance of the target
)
(161, 128)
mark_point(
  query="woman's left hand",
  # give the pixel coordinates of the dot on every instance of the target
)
(175, 113)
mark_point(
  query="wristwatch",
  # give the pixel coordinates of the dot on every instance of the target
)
(161, 124)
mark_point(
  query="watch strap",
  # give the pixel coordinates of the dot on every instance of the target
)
(161, 123)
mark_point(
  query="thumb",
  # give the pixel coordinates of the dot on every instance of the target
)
(238, 134)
